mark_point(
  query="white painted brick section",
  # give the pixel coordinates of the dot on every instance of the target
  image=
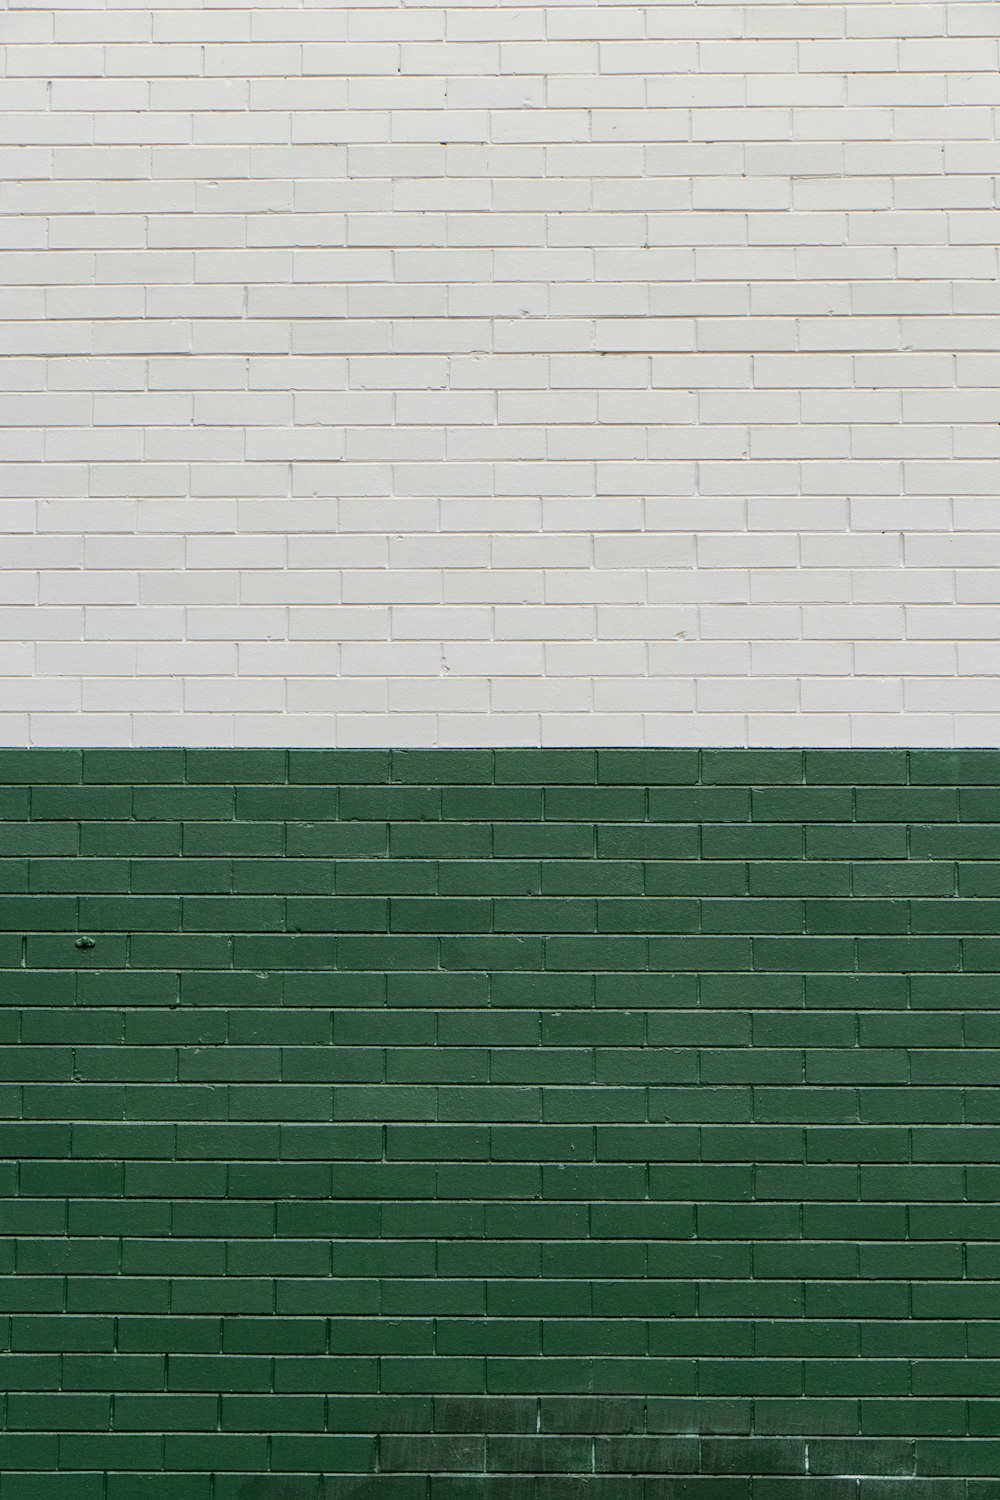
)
(500, 374)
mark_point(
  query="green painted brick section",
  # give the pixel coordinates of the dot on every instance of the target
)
(500, 1125)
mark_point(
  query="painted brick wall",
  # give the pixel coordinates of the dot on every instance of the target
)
(429, 1122)
(538, 373)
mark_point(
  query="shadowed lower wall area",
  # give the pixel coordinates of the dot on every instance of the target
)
(500, 1125)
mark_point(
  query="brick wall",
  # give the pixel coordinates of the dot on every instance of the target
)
(500, 1125)
(448, 374)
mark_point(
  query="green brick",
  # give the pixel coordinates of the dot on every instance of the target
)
(757, 917)
(546, 914)
(214, 1451)
(856, 767)
(439, 914)
(41, 766)
(447, 1092)
(752, 766)
(727, 954)
(356, 877)
(133, 765)
(77, 874)
(909, 804)
(493, 803)
(284, 803)
(40, 913)
(489, 953)
(335, 767)
(40, 838)
(126, 914)
(238, 766)
(758, 841)
(690, 878)
(506, 877)
(183, 877)
(159, 1487)
(861, 917)
(602, 804)
(798, 878)
(809, 805)
(550, 840)
(219, 839)
(74, 803)
(655, 767)
(545, 767)
(184, 803)
(954, 767)
(311, 841)
(442, 766)
(51, 1486)
(136, 840)
(654, 915)
(644, 841)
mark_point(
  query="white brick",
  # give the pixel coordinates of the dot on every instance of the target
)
(544, 374)
(740, 694)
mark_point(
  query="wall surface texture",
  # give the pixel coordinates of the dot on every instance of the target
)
(481, 374)
(515, 1125)
(490, 1116)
